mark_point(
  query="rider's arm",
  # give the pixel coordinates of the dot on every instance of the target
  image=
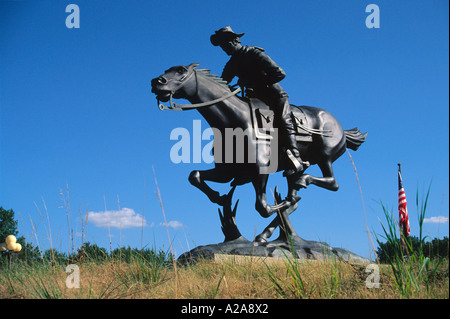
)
(229, 71)
(274, 73)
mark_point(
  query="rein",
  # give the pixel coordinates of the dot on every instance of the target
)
(181, 107)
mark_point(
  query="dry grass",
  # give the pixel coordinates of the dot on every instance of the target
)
(157, 279)
(209, 280)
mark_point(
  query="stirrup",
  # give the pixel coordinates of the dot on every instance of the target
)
(297, 162)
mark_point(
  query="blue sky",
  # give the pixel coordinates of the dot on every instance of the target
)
(81, 132)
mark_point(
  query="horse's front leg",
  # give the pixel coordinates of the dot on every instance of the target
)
(261, 205)
(268, 231)
(198, 178)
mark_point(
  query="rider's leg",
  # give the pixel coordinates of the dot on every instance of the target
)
(275, 96)
(288, 134)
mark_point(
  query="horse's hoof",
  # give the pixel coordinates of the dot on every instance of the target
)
(219, 200)
(300, 183)
(260, 239)
(299, 186)
(293, 199)
(290, 172)
(224, 200)
(267, 214)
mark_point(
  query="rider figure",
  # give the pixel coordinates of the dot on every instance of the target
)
(260, 75)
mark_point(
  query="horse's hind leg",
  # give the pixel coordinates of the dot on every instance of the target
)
(328, 181)
(198, 178)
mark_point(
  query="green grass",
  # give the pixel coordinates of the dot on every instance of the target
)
(413, 272)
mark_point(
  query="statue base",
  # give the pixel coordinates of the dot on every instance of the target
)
(297, 247)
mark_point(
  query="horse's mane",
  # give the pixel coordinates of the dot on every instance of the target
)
(214, 78)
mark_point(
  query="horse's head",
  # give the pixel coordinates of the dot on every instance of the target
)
(173, 82)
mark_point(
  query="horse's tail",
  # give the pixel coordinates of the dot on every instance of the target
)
(354, 138)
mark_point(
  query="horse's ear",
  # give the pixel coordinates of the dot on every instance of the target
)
(193, 66)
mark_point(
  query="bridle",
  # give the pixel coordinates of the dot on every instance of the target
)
(181, 107)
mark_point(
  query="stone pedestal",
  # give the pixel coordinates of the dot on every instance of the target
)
(300, 248)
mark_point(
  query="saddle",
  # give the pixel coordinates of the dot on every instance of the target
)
(263, 121)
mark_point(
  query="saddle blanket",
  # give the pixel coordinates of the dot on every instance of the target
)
(263, 121)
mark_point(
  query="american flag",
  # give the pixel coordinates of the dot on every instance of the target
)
(402, 209)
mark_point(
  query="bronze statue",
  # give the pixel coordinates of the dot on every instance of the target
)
(319, 137)
(260, 76)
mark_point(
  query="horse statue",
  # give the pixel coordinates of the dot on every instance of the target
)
(321, 140)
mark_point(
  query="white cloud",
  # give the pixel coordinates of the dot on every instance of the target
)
(436, 220)
(172, 224)
(124, 218)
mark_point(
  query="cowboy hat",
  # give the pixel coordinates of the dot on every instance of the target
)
(224, 34)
